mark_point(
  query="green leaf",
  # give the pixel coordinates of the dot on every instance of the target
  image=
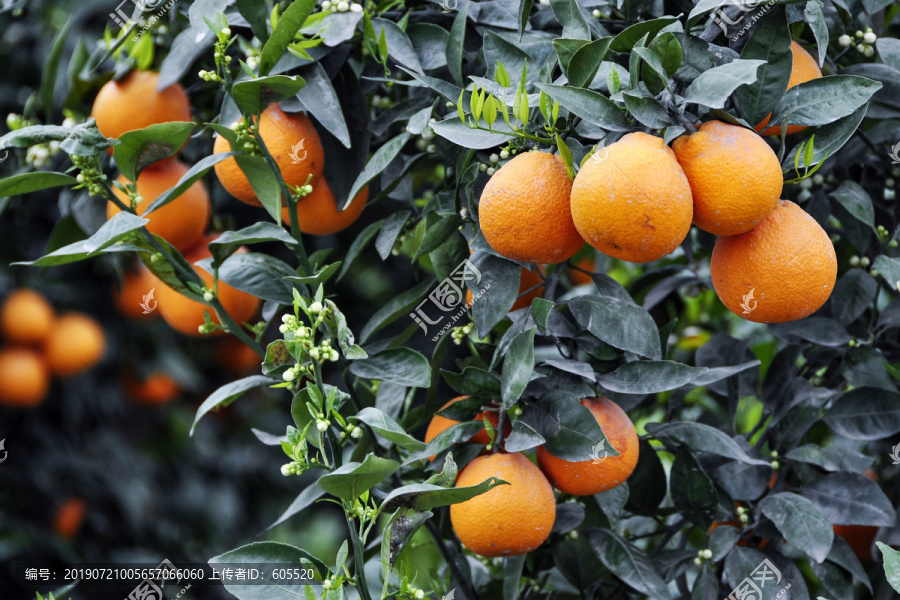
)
(258, 553)
(518, 366)
(257, 274)
(851, 499)
(193, 175)
(426, 496)
(770, 42)
(358, 246)
(854, 198)
(500, 75)
(566, 49)
(832, 458)
(402, 366)
(398, 306)
(26, 183)
(620, 324)
(589, 105)
(824, 100)
(701, 438)
(693, 492)
(853, 293)
(394, 42)
(229, 241)
(438, 234)
(143, 147)
(525, 7)
(647, 109)
(352, 479)
(800, 521)
(397, 533)
(310, 494)
(500, 279)
(388, 428)
(628, 562)
(455, 44)
(378, 163)
(289, 23)
(257, 15)
(865, 414)
(253, 96)
(570, 430)
(713, 87)
(51, 69)
(625, 41)
(891, 565)
(568, 13)
(263, 183)
(586, 61)
(227, 394)
(459, 133)
(666, 47)
(651, 377)
(319, 277)
(105, 240)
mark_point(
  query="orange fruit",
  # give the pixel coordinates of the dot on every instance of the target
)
(584, 478)
(318, 212)
(524, 210)
(631, 199)
(156, 388)
(186, 315)
(529, 279)
(26, 317)
(804, 68)
(237, 357)
(136, 103)
(860, 538)
(69, 516)
(136, 284)
(734, 175)
(509, 519)
(182, 221)
(439, 424)
(782, 270)
(579, 278)
(24, 377)
(281, 133)
(76, 343)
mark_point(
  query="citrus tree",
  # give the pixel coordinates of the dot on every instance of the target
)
(551, 299)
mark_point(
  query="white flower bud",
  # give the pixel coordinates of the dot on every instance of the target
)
(343, 6)
(322, 426)
(844, 41)
(289, 375)
(869, 37)
(315, 308)
(227, 32)
(357, 8)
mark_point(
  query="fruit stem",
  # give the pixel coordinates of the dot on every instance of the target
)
(359, 561)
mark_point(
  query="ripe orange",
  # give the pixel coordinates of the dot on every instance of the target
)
(318, 212)
(76, 343)
(24, 377)
(631, 200)
(439, 423)
(860, 538)
(524, 210)
(136, 103)
(782, 270)
(26, 317)
(804, 68)
(136, 283)
(237, 357)
(510, 519)
(588, 477)
(186, 315)
(182, 221)
(157, 388)
(281, 133)
(735, 177)
(69, 516)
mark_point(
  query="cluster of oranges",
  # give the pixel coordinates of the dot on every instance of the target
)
(636, 199)
(39, 344)
(135, 102)
(517, 518)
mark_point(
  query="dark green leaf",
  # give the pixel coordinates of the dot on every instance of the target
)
(518, 366)
(855, 200)
(626, 40)
(620, 324)
(254, 95)
(571, 431)
(851, 499)
(628, 563)
(569, 14)
(402, 366)
(713, 87)
(349, 481)
(426, 496)
(378, 163)
(258, 553)
(455, 44)
(770, 42)
(891, 565)
(25, 183)
(701, 438)
(459, 133)
(229, 241)
(589, 105)
(853, 293)
(227, 394)
(584, 63)
(194, 174)
(824, 100)
(865, 414)
(400, 305)
(693, 492)
(289, 23)
(388, 428)
(800, 521)
(143, 147)
(309, 495)
(106, 238)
